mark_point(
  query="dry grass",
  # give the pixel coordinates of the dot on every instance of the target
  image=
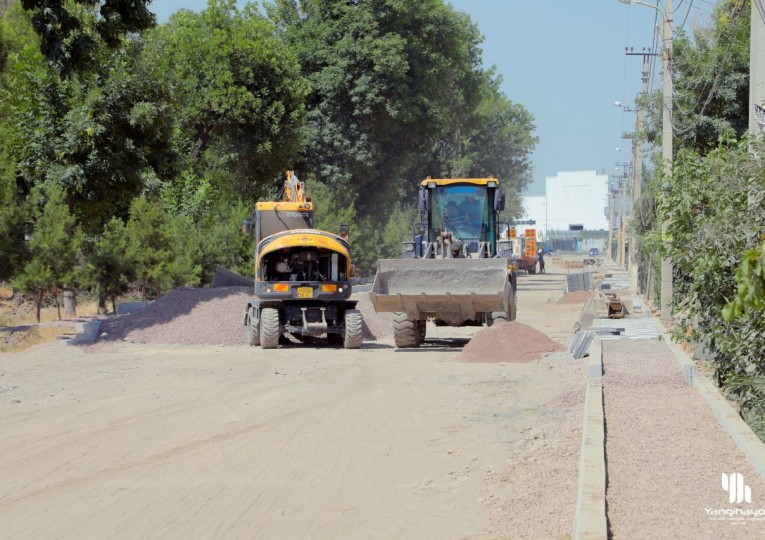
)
(13, 314)
(21, 340)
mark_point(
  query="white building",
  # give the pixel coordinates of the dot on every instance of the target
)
(571, 199)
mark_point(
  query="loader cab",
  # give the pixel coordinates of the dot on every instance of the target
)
(466, 208)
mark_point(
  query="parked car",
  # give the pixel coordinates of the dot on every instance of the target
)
(594, 252)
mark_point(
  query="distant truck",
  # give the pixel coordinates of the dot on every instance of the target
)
(524, 249)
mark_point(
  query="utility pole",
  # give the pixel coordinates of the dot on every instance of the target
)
(637, 168)
(666, 142)
(623, 207)
(756, 69)
(666, 155)
(612, 192)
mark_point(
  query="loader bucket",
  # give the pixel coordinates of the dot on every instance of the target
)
(453, 290)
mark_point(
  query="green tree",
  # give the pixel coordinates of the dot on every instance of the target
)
(380, 75)
(104, 136)
(110, 269)
(711, 81)
(238, 96)
(184, 268)
(70, 30)
(55, 249)
(491, 136)
(151, 246)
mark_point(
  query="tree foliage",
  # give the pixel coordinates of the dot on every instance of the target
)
(103, 136)
(383, 75)
(110, 270)
(710, 81)
(238, 96)
(54, 249)
(70, 31)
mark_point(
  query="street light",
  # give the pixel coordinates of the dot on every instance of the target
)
(666, 142)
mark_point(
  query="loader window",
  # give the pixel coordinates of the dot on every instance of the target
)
(462, 209)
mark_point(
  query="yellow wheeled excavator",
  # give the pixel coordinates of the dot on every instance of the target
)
(302, 275)
(456, 270)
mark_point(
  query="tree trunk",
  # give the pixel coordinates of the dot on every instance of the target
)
(114, 305)
(101, 302)
(70, 304)
(58, 306)
(40, 295)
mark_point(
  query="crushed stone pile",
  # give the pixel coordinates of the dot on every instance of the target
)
(376, 325)
(576, 297)
(186, 316)
(508, 342)
(195, 316)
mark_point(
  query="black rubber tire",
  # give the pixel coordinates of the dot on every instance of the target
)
(405, 331)
(354, 332)
(270, 330)
(512, 307)
(253, 330)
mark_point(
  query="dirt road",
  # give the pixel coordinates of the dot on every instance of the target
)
(142, 441)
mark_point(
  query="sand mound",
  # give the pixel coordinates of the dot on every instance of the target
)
(508, 342)
(576, 297)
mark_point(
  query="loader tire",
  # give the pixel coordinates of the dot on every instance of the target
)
(353, 329)
(253, 330)
(405, 332)
(269, 328)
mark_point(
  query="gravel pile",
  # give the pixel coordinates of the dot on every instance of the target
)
(192, 316)
(185, 316)
(376, 325)
(666, 452)
(508, 342)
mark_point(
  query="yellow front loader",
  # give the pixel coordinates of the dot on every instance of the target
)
(456, 270)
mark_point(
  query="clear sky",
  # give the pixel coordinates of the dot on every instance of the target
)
(564, 60)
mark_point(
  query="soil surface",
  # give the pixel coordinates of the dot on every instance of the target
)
(210, 438)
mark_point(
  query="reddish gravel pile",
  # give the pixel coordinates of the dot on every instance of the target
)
(190, 316)
(508, 342)
(576, 297)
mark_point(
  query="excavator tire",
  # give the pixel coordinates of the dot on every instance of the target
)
(269, 328)
(253, 331)
(353, 329)
(405, 331)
